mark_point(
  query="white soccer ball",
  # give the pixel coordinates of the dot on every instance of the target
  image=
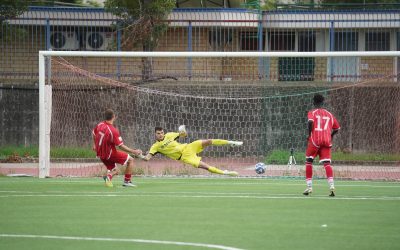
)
(182, 129)
(260, 168)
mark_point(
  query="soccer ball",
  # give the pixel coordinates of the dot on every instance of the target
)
(260, 168)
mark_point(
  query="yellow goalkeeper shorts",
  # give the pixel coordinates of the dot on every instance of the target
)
(189, 154)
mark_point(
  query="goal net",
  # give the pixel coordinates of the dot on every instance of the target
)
(261, 99)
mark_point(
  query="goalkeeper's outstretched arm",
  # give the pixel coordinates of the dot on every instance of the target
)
(145, 157)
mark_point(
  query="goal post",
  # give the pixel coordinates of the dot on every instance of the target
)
(266, 97)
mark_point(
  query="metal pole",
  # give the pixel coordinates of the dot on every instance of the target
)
(42, 120)
(118, 49)
(331, 48)
(190, 48)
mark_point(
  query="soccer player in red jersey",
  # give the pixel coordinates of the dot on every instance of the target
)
(105, 140)
(322, 126)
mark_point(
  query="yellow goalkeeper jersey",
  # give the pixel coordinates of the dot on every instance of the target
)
(169, 146)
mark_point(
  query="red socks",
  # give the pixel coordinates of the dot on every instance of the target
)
(309, 171)
(128, 177)
(328, 170)
(110, 176)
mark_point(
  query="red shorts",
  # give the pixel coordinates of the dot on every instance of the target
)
(324, 152)
(116, 157)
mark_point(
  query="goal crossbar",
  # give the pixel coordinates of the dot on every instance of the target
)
(216, 54)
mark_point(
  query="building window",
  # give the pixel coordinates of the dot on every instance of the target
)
(249, 41)
(307, 41)
(377, 41)
(398, 41)
(346, 41)
(281, 41)
(219, 38)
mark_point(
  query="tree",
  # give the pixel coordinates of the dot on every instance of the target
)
(68, 3)
(261, 5)
(359, 3)
(12, 8)
(142, 23)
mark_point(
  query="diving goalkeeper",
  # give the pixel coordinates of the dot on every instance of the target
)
(167, 145)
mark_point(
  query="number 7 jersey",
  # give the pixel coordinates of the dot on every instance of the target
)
(106, 138)
(323, 124)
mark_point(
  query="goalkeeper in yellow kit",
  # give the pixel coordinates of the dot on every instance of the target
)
(167, 145)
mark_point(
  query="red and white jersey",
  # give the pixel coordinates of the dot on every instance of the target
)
(323, 124)
(106, 139)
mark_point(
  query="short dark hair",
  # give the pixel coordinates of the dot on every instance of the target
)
(109, 114)
(158, 129)
(318, 100)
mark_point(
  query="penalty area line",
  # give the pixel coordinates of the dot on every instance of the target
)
(180, 195)
(212, 246)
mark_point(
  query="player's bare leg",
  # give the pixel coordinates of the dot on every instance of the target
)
(329, 177)
(128, 174)
(220, 142)
(215, 170)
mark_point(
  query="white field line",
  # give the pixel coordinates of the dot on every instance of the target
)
(234, 183)
(205, 194)
(120, 240)
(213, 195)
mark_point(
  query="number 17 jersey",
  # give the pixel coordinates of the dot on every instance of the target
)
(323, 124)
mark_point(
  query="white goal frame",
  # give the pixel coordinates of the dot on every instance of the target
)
(45, 90)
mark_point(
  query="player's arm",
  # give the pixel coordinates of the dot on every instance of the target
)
(153, 150)
(94, 141)
(145, 157)
(335, 127)
(334, 132)
(127, 149)
(310, 127)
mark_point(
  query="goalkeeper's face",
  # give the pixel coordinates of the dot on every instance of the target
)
(160, 135)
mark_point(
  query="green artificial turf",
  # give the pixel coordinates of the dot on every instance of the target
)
(240, 213)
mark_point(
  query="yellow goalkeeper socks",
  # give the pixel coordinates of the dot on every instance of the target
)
(219, 142)
(215, 170)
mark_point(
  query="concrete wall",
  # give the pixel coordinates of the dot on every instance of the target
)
(19, 115)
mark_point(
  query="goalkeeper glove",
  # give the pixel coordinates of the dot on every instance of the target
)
(182, 130)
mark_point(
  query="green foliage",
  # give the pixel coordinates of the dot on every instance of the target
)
(258, 5)
(72, 153)
(56, 3)
(342, 4)
(12, 8)
(7, 151)
(143, 22)
(93, 3)
(282, 157)
(358, 1)
(33, 151)
(369, 4)
(8, 33)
